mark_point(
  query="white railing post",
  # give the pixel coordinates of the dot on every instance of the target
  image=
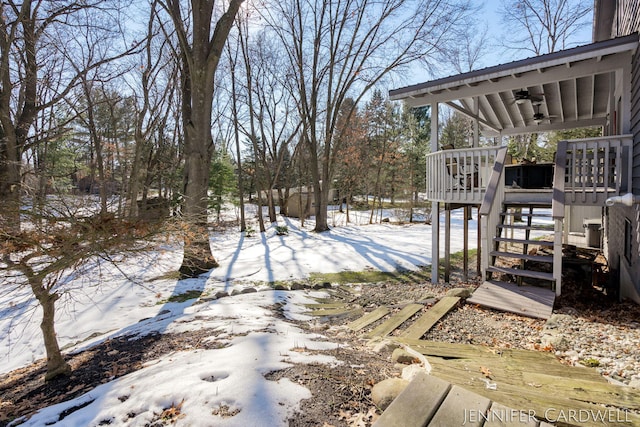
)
(557, 209)
(490, 209)
(459, 175)
(597, 168)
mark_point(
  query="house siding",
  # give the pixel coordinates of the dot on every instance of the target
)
(627, 21)
(627, 18)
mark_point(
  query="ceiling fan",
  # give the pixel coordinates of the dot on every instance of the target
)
(538, 117)
(523, 95)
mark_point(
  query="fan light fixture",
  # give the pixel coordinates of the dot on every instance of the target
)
(522, 96)
(538, 116)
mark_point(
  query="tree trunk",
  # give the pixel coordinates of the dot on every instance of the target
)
(197, 258)
(199, 59)
(236, 135)
(56, 365)
(272, 206)
(318, 189)
(10, 182)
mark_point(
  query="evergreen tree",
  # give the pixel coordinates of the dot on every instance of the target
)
(222, 180)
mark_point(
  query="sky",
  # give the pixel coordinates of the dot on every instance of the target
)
(107, 305)
(495, 54)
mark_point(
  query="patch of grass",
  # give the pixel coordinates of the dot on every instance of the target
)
(458, 257)
(190, 294)
(590, 362)
(170, 275)
(372, 276)
(369, 276)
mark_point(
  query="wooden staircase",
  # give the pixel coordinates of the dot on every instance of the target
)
(524, 257)
(520, 276)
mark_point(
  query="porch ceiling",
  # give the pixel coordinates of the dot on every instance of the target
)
(566, 89)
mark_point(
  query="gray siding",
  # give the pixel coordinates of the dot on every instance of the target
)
(627, 21)
(635, 121)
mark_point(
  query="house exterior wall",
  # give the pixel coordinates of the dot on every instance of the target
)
(627, 266)
(627, 18)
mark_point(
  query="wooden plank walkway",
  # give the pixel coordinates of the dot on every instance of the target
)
(430, 318)
(532, 382)
(368, 319)
(394, 321)
(335, 310)
(531, 301)
(429, 401)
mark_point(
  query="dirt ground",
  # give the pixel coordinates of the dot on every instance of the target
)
(341, 394)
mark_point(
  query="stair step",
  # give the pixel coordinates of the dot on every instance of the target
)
(548, 227)
(515, 204)
(537, 258)
(523, 241)
(522, 273)
(533, 214)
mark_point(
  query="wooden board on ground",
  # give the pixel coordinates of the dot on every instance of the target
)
(528, 301)
(337, 312)
(461, 407)
(394, 321)
(417, 403)
(327, 305)
(368, 318)
(429, 401)
(430, 318)
(532, 381)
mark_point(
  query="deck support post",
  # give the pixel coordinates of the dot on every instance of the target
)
(447, 243)
(479, 245)
(557, 254)
(435, 241)
(476, 124)
(435, 206)
(465, 249)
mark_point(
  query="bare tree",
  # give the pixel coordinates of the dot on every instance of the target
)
(468, 54)
(337, 50)
(273, 121)
(155, 93)
(543, 26)
(59, 244)
(32, 56)
(235, 119)
(201, 44)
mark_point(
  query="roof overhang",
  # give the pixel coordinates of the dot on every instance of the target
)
(568, 89)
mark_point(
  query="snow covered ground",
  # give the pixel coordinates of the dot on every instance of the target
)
(107, 304)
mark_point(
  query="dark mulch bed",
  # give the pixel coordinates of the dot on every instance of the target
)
(24, 391)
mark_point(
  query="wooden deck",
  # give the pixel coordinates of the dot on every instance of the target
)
(528, 301)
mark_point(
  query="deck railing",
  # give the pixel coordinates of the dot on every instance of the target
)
(597, 168)
(459, 176)
(491, 208)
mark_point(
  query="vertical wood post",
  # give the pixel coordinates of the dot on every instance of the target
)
(447, 243)
(479, 246)
(435, 206)
(465, 249)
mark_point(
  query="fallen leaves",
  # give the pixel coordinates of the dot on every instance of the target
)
(173, 413)
(359, 419)
(485, 371)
